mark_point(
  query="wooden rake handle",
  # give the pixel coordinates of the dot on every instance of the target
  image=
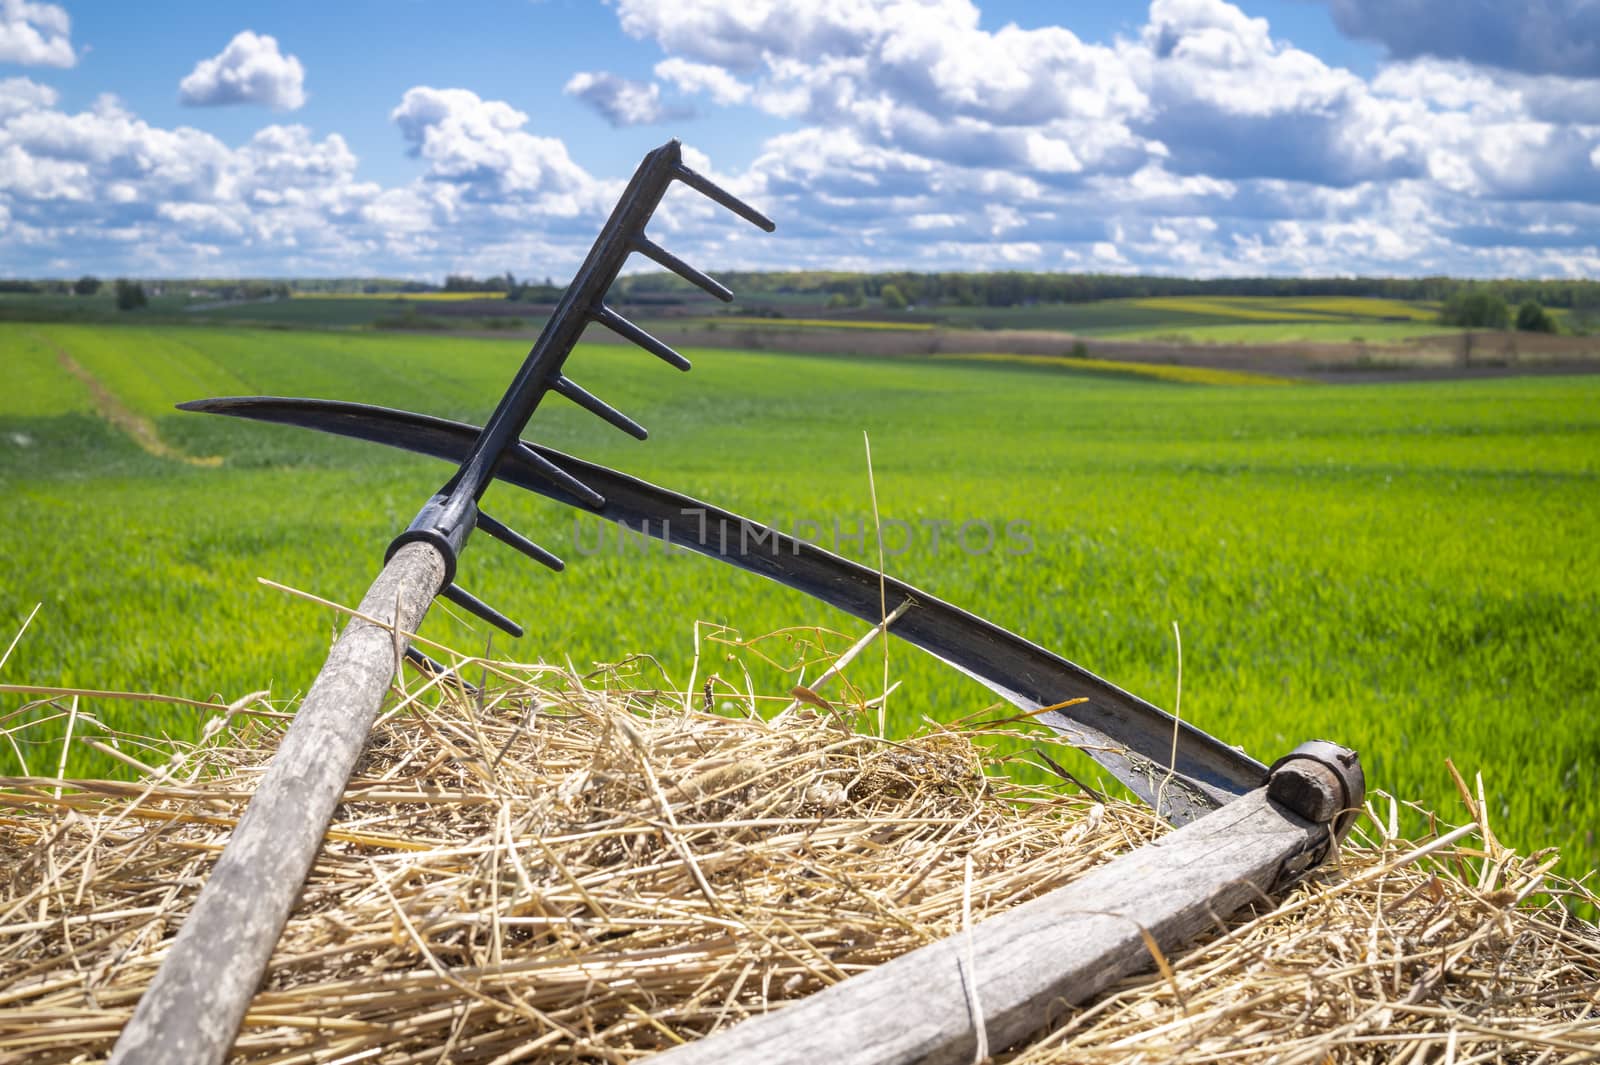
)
(193, 1008)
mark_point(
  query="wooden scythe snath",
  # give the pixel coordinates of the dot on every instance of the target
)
(1246, 829)
(980, 991)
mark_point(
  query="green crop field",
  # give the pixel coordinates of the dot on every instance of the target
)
(315, 310)
(1160, 371)
(322, 311)
(1408, 568)
(417, 297)
(814, 323)
(1098, 318)
(1218, 319)
(1234, 308)
(1202, 319)
(354, 311)
(1361, 307)
(1314, 331)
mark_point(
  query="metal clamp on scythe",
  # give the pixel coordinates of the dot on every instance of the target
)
(1244, 829)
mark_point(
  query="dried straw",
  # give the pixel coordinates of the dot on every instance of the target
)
(1454, 949)
(557, 871)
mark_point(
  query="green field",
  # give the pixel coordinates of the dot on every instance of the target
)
(318, 310)
(1409, 568)
(1158, 371)
(1290, 332)
(1214, 319)
(1202, 319)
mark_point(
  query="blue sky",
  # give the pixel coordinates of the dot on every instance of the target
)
(415, 138)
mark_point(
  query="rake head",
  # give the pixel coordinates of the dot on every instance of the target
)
(450, 516)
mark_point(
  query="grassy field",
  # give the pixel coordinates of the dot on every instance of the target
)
(1290, 332)
(418, 297)
(816, 323)
(102, 306)
(1156, 371)
(1363, 307)
(358, 311)
(316, 310)
(1218, 319)
(1408, 568)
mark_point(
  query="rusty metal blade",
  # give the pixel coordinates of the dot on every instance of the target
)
(1132, 739)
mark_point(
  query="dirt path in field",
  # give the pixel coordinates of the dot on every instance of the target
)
(141, 430)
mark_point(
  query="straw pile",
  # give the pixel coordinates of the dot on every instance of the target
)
(1454, 950)
(555, 871)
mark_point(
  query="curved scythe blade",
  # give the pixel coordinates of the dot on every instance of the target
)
(1131, 738)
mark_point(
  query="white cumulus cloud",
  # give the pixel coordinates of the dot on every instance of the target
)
(480, 150)
(745, 34)
(1202, 142)
(250, 70)
(23, 94)
(622, 101)
(125, 195)
(34, 34)
(690, 77)
(915, 134)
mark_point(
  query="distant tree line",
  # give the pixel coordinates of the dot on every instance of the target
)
(1485, 307)
(468, 283)
(1472, 304)
(89, 285)
(1012, 288)
(546, 291)
(368, 286)
(130, 295)
(528, 291)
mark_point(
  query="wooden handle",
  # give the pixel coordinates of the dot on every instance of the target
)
(194, 1006)
(1017, 968)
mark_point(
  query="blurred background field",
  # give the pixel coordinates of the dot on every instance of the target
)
(1410, 568)
(777, 303)
(1312, 329)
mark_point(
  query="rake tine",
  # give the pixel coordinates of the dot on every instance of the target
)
(707, 188)
(628, 331)
(561, 477)
(473, 605)
(434, 668)
(509, 536)
(645, 246)
(597, 406)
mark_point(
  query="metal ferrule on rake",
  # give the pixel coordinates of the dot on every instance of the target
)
(448, 518)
